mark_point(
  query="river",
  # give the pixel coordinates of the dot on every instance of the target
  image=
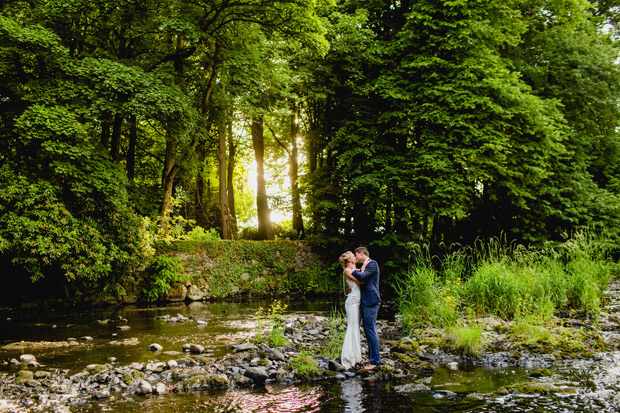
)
(101, 340)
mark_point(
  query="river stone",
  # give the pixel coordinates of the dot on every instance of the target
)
(257, 374)
(156, 347)
(182, 373)
(156, 367)
(123, 328)
(194, 293)
(130, 299)
(453, 365)
(27, 358)
(24, 377)
(178, 292)
(144, 387)
(247, 346)
(333, 365)
(240, 380)
(276, 355)
(160, 388)
(412, 388)
(172, 364)
(38, 375)
(405, 345)
(201, 323)
(197, 349)
(102, 394)
(206, 381)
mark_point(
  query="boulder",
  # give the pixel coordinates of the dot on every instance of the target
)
(27, 358)
(257, 374)
(144, 387)
(194, 293)
(178, 292)
(160, 388)
(206, 381)
(247, 346)
(196, 349)
(156, 347)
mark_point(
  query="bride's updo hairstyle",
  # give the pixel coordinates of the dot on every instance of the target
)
(346, 257)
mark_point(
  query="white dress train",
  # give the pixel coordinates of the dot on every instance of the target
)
(352, 347)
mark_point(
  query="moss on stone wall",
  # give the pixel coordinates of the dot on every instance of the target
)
(230, 268)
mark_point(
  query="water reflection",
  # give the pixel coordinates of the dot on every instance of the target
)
(352, 395)
(273, 399)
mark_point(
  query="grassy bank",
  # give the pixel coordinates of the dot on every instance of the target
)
(507, 281)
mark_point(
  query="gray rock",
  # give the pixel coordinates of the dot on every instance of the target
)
(276, 355)
(333, 365)
(27, 358)
(178, 292)
(86, 338)
(123, 328)
(206, 381)
(197, 349)
(156, 347)
(412, 388)
(172, 364)
(247, 346)
(102, 394)
(194, 293)
(257, 374)
(144, 387)
(201, 323)
(182, 373)
(160, 388)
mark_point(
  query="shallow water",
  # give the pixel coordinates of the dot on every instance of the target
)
(229, 323)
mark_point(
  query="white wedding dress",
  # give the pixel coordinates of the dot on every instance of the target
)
(352, 347)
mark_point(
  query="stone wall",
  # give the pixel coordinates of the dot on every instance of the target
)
(239, 268)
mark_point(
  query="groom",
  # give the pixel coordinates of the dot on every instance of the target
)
(370, 302)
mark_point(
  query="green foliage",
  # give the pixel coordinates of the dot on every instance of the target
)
(164, 272)
(305, 365)
(270, 325)
(336, 324)
(466, 340)
(511, 282)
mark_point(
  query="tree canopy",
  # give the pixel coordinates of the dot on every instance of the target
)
(384, 123)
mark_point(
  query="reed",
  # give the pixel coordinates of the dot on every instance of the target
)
(506, 280)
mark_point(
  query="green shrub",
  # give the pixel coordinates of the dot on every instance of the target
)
(466, 340)
(305, 365)
(164, 272)
(337, 329)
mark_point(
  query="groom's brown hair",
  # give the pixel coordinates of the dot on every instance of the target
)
(363, 250)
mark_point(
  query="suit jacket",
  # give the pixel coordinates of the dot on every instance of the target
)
(370, 288)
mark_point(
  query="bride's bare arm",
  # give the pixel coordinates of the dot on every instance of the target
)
(347, 273)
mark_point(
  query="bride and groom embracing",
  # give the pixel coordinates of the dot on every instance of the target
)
(363, 302)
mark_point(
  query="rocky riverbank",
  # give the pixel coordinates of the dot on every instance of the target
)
(409, 362)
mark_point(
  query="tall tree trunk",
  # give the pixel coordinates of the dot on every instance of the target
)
(169, 173)
(298, 222)
(115, 150)
(264, 214)
(224, 209)
(105, 135)
(232, 153)
(201, 213)
(131, 149)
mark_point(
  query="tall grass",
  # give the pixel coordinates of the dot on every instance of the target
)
(505, 280)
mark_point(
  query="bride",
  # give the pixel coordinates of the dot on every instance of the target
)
(352, 348)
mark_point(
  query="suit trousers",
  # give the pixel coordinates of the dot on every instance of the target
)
(369, 313)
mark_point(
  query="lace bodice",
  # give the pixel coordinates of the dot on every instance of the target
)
(355, 287)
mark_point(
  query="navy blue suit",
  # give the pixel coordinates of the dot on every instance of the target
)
(371, 301)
